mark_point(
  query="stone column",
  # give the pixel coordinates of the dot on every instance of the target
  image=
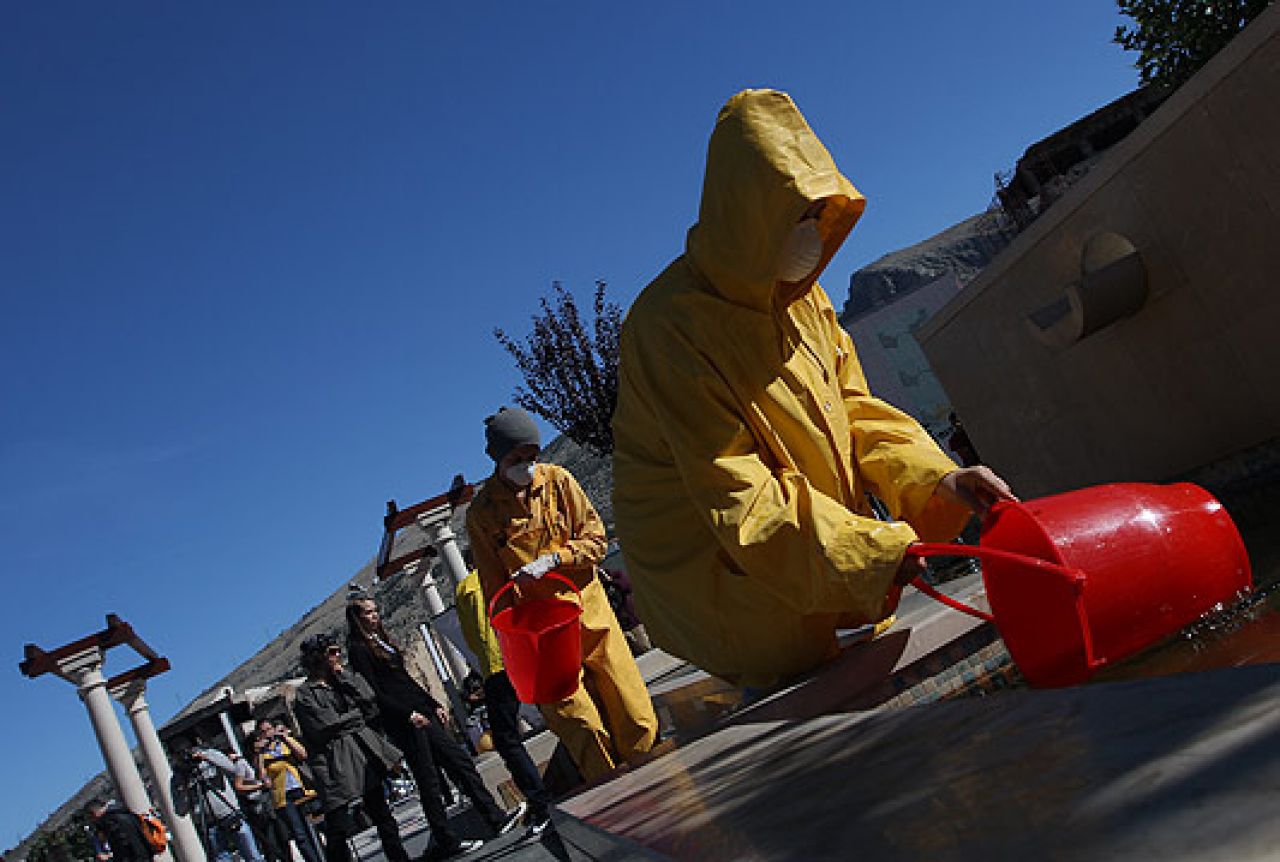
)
(186, 841)
(228, 726)
(84, 669)
(446, 545)
(435, 604)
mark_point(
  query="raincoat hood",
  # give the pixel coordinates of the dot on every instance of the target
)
(765, 169)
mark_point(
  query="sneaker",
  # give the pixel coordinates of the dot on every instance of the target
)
(536, 823)
(462, 848)
(512, 819)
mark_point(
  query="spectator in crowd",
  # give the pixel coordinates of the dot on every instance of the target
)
(416, 723)
(278, 754)
(202, 789)
(617, 586)
(349, 759)
(959, 442)
(255, 805)
(120, 831)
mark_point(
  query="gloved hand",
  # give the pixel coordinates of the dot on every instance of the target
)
(539, 567)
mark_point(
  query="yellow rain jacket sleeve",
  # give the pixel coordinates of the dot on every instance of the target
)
(473, 617)
(745, 437)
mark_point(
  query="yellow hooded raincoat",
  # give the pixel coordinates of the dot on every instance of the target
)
(745, 437)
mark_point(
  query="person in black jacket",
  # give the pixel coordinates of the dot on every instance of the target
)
(350, 761)
(416, 723)
(122, 831)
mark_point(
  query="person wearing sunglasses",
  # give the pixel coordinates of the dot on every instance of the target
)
(349, 759)
(418, 725)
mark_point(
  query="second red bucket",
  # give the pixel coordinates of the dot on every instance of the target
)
(1082, 579)
(541, 642)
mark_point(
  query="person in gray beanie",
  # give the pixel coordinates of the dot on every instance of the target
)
(532, 522)
(508, 429)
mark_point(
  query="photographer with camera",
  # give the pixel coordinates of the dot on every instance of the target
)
(202, 787)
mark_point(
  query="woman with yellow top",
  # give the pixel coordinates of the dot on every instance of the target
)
(529, 519)
(277, 754)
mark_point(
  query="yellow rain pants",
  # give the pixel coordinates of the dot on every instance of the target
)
(745, 436)
(610, 718)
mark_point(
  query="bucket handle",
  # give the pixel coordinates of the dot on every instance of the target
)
(512, 582)
(1075, 579)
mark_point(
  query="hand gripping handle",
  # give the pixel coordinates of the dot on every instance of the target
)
(512, 582)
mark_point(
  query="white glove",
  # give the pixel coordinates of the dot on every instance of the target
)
(539, 567)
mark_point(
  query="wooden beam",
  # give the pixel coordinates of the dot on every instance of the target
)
(398, 519)
(393, 567)
(154, 667)
(39, 662)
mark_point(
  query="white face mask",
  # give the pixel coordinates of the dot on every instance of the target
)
(520, 473)
(801, 253)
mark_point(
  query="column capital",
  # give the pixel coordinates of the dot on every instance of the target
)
(131, 694)
(444, 532)
(83, 669)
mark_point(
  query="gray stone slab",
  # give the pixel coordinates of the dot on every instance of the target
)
(868, 674)
(1179, 768)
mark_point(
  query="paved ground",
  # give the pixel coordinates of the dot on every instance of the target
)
(569, 841)
(1177, 768)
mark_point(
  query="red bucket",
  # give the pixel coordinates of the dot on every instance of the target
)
(541, 643)
(1079, 580)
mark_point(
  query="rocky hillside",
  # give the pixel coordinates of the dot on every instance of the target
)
(964, 249)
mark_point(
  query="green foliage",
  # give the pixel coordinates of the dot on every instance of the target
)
(1174, 38)
(570, 374)
(72, 842)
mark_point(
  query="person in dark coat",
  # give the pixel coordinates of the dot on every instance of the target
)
(416, 722)
(959, 442)
(122, 832)
(349, 760)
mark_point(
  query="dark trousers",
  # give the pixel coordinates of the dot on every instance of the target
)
(290, 817)
(266, 831)
(339, 824)
(503, 709)
(424, 748)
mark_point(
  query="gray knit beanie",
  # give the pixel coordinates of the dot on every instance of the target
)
(508, 428)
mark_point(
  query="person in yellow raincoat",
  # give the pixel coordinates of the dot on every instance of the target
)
(745, 437)
(529, 519)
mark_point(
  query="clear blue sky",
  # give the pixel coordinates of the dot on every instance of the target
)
(251, 255)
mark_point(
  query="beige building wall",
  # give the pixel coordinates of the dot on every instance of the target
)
(1194, 374)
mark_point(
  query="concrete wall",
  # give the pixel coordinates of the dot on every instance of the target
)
(896, 369)
(1194, 375)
